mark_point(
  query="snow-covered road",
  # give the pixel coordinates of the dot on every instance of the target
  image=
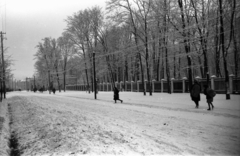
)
(73, 123)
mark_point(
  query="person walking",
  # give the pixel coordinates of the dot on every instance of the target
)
(53, 90)
(209, 96)
(116, 95)
(195, 92)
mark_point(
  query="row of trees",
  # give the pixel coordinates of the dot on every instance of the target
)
(145, 40)
(51, 60)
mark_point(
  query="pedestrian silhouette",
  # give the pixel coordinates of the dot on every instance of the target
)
(53, 90)
(210, 93)
(195, 92)
(116, 95)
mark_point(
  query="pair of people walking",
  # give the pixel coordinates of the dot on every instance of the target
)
(195, 94)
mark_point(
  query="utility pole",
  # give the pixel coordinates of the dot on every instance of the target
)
(3, 67)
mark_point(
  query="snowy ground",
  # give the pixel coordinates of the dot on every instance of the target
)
(73, 123)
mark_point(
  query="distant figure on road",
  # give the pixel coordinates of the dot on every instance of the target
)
(209, 96)
(195, 92)
(116, 95)
(53, 90)
(41, 90)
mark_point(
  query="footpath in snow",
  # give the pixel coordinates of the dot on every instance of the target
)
(74, 123)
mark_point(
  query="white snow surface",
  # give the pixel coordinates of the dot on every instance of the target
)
(4, 129)
(74, 123)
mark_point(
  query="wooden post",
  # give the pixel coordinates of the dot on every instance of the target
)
(183, 84)
(212, 81)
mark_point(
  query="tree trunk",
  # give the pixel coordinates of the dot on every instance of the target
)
(186, 44)
(149, 86)
(125, 74)
(224, 52)
(165, 43)
(217, 49)
(154, 58)
(1, 89)
(236, 58)
(86, 71)
(200, 66)
(64, 73)
(179, 65)
(174, 65)
(90, 50)
(136, 42)
(203, 36)
(58, 80)
(162, 68)
(159, 53)
(167, 71)
(49, 82)
(110, 71)
(158, 65)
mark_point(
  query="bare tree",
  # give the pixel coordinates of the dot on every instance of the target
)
(66, 49)
(224, 46)
(186, 34)
(129, 15)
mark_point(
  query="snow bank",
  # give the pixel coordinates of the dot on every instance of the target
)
(4, 129)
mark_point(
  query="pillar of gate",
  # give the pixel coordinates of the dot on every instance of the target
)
(132, 86)
(125, 88)
(153, 85)
(183, 84)
(121, 85)
(231, 83)
(162, 85)
(212, 81)
(172, 79)
(111, 87)
(138, 85)
(145, 85)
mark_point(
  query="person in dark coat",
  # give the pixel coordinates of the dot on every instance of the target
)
(195, 92)
(116, 95)
(53, 90)
(208, 97)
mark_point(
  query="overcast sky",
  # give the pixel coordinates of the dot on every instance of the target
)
(26, 22)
